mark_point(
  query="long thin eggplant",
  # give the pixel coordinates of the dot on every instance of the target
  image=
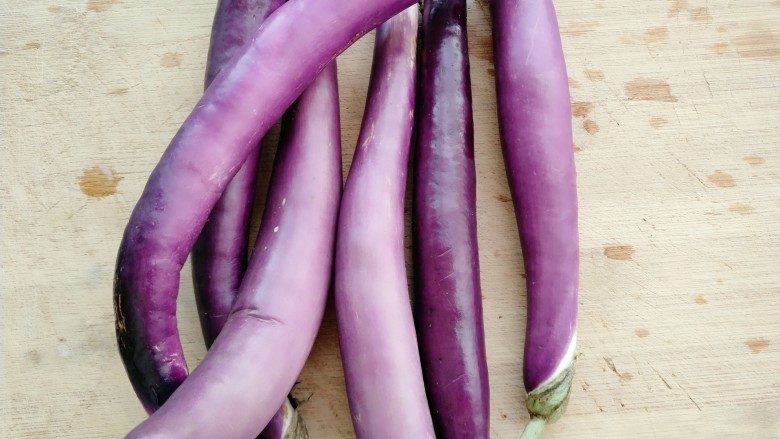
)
(219, 256)
(254, 362)
(448, 298)
(535, 129)
(250, 94)
(376, 331)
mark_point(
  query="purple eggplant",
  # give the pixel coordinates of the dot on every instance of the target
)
(535, 129)
(376, 331)
(219, 256)
(448, 299)
(250, 94)
(254, 362)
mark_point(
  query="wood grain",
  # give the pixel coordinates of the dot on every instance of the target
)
(677, 151)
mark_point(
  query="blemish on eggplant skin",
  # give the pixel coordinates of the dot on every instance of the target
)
(171, 59)
(626, 376)
(502, 198)
(99, 182)
(721, 179)
(54, 9)
(619, 252)
(641, 332)
(700, 300)
(119, 91)
(32, 45)
(757, 344)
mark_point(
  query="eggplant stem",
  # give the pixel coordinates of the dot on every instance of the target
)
(533, 429)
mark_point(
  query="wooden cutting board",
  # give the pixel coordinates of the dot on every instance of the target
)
(676, 108)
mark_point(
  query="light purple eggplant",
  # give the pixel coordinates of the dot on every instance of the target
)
(250, 94)
(379, 351)
(448, 299)
(254, 362)
(535, 128)
(219, 256)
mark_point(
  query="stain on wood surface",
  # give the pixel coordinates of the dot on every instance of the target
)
(590, 126)
(650, 36)
(754, 160)
(642, 89)
(742, 208)
(658, 122)
(641, 332)
(722, 179)
(581, 109)
(594, 75)
(757, 45)
(719, 48)
(100, 5)
(171, 59)
(99, 182)
(677, 7)
(700, 15)
(578, 29)
(757, 344)
(619, 252)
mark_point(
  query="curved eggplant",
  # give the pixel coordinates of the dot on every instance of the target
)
(254, 362)
(249, 95)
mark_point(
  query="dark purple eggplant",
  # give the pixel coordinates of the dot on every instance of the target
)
(448, 298)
